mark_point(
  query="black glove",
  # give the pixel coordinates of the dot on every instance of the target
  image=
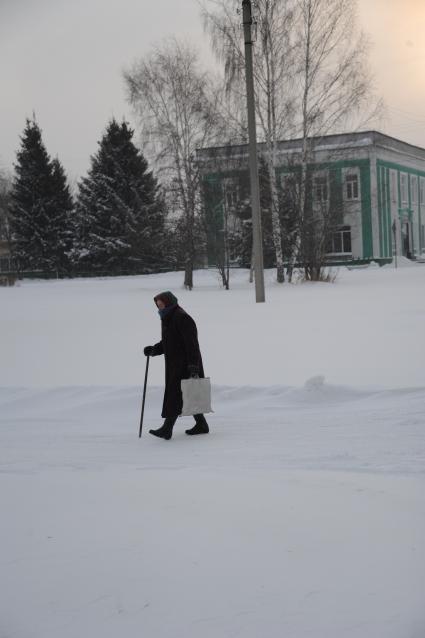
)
(193, 371)
(148, 351)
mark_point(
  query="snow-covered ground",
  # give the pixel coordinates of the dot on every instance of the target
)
(301, 515)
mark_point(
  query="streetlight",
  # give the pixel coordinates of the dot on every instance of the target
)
(253, 163)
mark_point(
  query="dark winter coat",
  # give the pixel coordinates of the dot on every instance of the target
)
(179, 345)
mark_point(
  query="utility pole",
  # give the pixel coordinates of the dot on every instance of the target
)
(253, 163)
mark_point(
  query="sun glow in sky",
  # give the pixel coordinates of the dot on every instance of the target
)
(64, 60)
(397, 30)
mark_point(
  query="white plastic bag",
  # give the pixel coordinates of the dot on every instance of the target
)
(196, 396)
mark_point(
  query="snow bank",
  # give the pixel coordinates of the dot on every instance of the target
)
(301, 514)
(295, 517)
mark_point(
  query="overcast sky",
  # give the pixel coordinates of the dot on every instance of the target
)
(63, 59)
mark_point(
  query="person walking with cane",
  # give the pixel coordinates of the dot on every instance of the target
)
(180, 347)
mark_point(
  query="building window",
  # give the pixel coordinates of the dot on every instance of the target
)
(320, 189)
(7, 265)
(414, 189)
(394, 186)
(340, 241)
(231, 193)
(352, 186)
(289, 184)
(403, 188)
(282, 180)
(422, 191)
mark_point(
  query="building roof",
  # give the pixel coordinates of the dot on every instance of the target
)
(338, 141)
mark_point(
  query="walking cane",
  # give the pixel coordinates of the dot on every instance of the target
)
(144, 396)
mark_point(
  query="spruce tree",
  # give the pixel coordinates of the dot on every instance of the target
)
(63, 222)
(120, 213)
(41, 206)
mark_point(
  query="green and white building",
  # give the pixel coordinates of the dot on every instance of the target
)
(378, 183)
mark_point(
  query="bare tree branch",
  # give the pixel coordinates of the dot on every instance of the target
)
(177, 105)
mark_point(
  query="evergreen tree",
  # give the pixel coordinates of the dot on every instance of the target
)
(41, 207)
(4, 207)
(120, 212)
(62, 218)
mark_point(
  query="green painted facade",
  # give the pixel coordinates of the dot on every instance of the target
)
(384, 212)
(403, 210)
(214, 200)
(375, 157)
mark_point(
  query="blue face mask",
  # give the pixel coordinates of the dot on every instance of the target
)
(164, 312)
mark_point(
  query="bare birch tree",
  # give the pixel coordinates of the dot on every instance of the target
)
(176, 104)
(334, 85)
(272, 76)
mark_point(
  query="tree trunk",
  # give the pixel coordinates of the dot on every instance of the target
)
(189, 262)
(276, 225)
(188, 274)
(251, 270)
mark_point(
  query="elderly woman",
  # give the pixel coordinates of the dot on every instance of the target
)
(180, 347)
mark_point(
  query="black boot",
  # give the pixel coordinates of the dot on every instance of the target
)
(200, 427)
(166, 430)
